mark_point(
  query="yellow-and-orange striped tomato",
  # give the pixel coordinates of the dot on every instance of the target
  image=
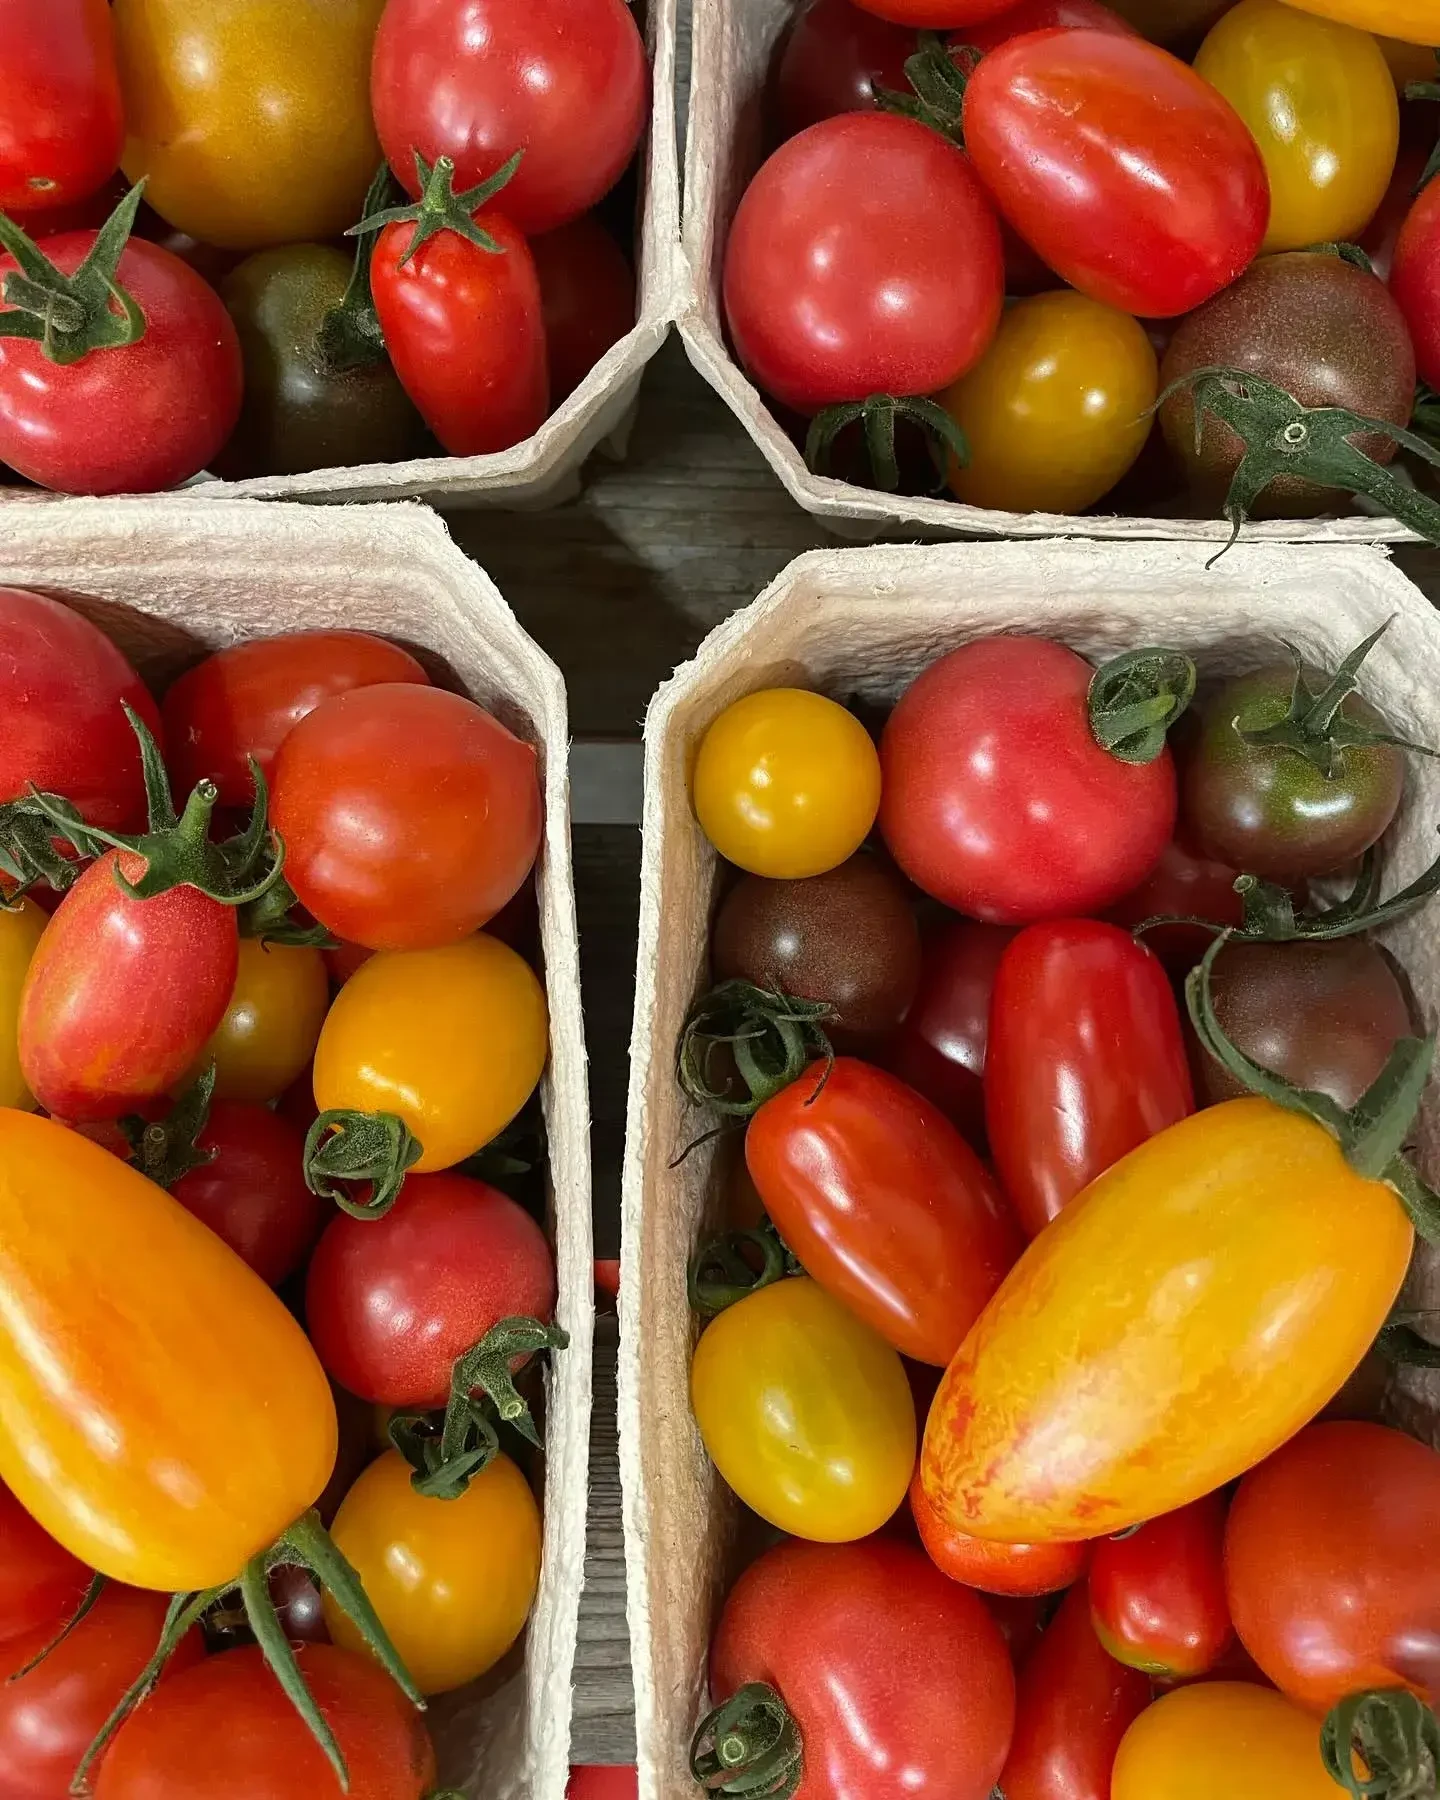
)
(20, 929)
(1412, 21)
(1181, 1319)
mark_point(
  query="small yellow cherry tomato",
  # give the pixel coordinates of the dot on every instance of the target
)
(1413, 21)
(1057, 409)
(452, 1580)
(787, 783)
(20, 927)
(1222, 1737)
(452, 1040)
(269, 1032)
(805, 1412)
(1320, 102)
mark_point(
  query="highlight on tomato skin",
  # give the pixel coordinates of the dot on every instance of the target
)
(1157, 1597)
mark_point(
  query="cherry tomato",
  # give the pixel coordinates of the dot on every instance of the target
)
(805, 1412)
(602, 1781)
(834, 57)
(936, 15)
(1414, 283)
(1181, 885)
(1380, 236)
(253, 1194)
(587, 297)
(21, 925)
(1412, 21)
(60, 122)
(1013, 1569)
(1170, 21)
(1157, 1597)
(41, 1583)
(1041, 15)
(272, 1022)
(1136, 182)
(898, 1680)
(864, 258)
(1190, 1745)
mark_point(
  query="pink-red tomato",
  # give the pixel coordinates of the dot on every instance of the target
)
(1157, 1597)
(61, 126)
(41, 1583)
(587, 296)
(1018, 1570)
(1415, 280)
(1041, 15)
(254, 1194)
(835, 55)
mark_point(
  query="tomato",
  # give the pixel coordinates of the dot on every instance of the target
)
(602, 1781)
(898, 1680)
(1014, 1569)
(1329, 1569)
(452, 1041)
(1166, 21)
(587, 297)
(786, 783)
(1157, 1597)
(833, 59)
(864, 258)
(262, 1746)
(452, 1580)
(60, 122)
(1086, 1060)
(1041, 15)
(997, 798)
(1181, 885)
(1269, 1266)
(936, 14)
(253, 1194)
(805, 1412)
(410, 815)
(1136, 182)
(1074, 1705)
(21, 925)
(41, 1583)
(884, 1203)
(1380, 236)
(1413, 280)
(272, 1021)
(1412, 21)
(249, 122)
(1189, 1746)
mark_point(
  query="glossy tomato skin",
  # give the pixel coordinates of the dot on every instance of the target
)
(1413, 280)
(602, 1781)
(1181, 885)
(864, 258)
(587, 298)
(1331, 1581)
(834, 57)
(21, 926)
(1017, 1570)
(1189, 1745)
(1086, 1060)
(272, 1021)
(884, 1203)
(1278, 1265)
(60, 120)
(41, 1583)
(1410, 21)
(898, 1680)
(1137, 183)
(997, 799)
(940, 1047)
(253, 1195)
(1041, 15)
(1157, 1598)
(935, 15)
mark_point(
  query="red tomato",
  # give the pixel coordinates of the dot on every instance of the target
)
(41, 1584)
(1157, 1597)
(1021, 1619)
(253, 1195)
(599, 1781)
(587, 295)
(884, 1203)
(410, 815)
(1013, 1569)
(1330, 1565)
(833, 58)
(936, 15)
(998, 800)
(1133, 178)
(1181, 885)
(1075, 1703)
(1042, 15)
(245, 701)
(1415, 280)
(898, 1680)
(565, 81)
(864, 259)
(1086, 1061)
(82, 215)
(1380, 236)
(61, 126)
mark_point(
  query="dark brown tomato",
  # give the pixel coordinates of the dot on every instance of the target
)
(1313, 324)
(831, 61)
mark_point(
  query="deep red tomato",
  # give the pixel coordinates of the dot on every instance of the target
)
(1415, 280)
(61, 126)
(587, 294)
(253, 1195)
(936, 15)
(1181, 885)
(1086, 1061)
(1136, 182)
(410, 815)
(1021, 1619)
(1042, 15)
(1075, 1703)
(998, 800)
(898, 1680)
(601, 1781)
(1329, 1563)
(1157, 1597)
(832, 60)
(864, 259)
(565, 81)
(41, 1584)
(1380, 236)
(1013, 1569)
(245, 701)
(884, 1203)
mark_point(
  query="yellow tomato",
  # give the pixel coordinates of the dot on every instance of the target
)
(1320, 103)
(20, 929)
(269, 1032)
(452, 1580)
(1180, 1320)
(787, 783)
(1412, 21)
(1410, 62)
(1222, 1737)
(250, 118)
(1057, 409)
(452, 1040)
(805, 1412)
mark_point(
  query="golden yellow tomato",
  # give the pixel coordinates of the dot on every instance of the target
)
(452, 1580)
(1057, 409)
(20, 927)
(1222, 1737)
(786, 783)
(1413, 21)
(250, 118)
(271, 1027)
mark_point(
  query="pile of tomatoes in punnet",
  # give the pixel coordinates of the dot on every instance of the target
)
(1078, 269)
(226, 323)
(266, 1325)
(1051, 1325)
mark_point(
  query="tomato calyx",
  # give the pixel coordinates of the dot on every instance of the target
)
(731, 1267)
(877, 414)
(345, 1146)
(754, 1746)
(71, 315)
(771, 1039)
(29, 854)
(1354, 254)
(938, 80)
(1134, 699)
(440, 208)
(271, 919)
(81, 1613)
(1400, 1343)
(1397, 1738)
(164, 1150)
(350, 336)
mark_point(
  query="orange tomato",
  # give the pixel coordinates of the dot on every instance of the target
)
(1222, 1737)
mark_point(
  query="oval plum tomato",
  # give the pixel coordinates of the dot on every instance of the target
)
(563, 81)
(935, 15)
(1415, 280)
(1014, 1569)
(884, 1203)
(61, 127)
(864, 258)
(1074, 1705)
(41, 1583)
(1041, 15)
(253, 1193)
(1136, 182)
(1181, 885)
(805, 1412)
(265, 1747)
(272, 1021)
(1086, 1060)
(246, 700)
(1190, 1744)
(410, 815)
(997, 798)
(21, 927)
(897, 1679)
(834, 57)
(1328, 1565)
(1157, 1597)
(587, 297)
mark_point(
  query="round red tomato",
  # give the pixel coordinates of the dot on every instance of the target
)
(898, 1680)
(253, 1195)
(935, 15)
(864, 259)
(1042, 15)
(1157, 1597)
(41, 1584)
(410, 815)
(1135, 181)
(1013, 1569)
(601, 1781)
(61, 126)
(1181, 885)
(1415, 280)
(833, 59)
(587, 295)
